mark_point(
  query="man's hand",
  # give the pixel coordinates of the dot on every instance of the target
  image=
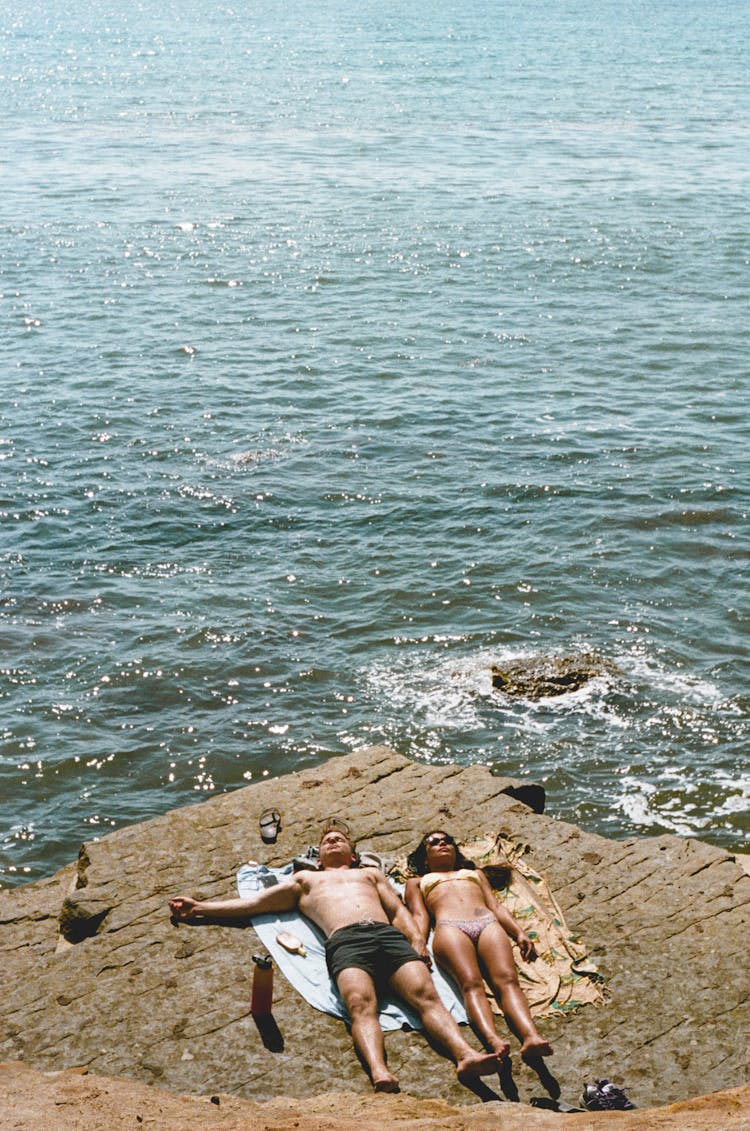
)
(183, 907)
(526, 946)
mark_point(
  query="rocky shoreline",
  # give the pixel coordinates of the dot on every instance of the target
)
(70, 1101)
(97, 977)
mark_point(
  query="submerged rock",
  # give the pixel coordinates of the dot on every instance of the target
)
(536, 677)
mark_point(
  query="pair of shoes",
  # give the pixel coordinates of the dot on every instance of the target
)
(270, 824)
(603, 1096)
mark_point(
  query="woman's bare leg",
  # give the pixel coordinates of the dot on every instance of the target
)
(413, 982)
(457, 954)
(494, 949)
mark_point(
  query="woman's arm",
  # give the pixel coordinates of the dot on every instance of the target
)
(416, 904)
(506, 920)
(280, 897)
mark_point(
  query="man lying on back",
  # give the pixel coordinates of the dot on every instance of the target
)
(371, 941)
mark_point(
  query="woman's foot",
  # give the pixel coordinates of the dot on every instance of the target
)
(500, 1047)
(535, 1047)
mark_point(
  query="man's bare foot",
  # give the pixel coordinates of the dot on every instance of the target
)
(478, 1064)
(385, 1083)
(535, 1047)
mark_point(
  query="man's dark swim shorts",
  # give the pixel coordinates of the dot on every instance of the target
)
(378, 948)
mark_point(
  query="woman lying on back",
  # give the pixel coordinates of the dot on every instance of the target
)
(470, 940)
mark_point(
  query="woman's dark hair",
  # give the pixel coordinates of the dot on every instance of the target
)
(417, 860)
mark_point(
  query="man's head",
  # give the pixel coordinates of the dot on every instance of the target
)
(336, 850)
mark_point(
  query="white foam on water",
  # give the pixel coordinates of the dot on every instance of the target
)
(648, 671)
(670, 805)
(426, 688)
(676, 815)
(456, 692)
(738, 795)
(635, 803)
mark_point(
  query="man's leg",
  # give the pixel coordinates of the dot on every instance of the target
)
(358, 991)
(413, 982)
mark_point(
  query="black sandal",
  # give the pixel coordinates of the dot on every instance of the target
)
(270, 825)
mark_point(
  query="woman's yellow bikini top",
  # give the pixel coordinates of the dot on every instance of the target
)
(429, 882)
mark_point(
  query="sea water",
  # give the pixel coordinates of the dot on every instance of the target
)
(348, 349)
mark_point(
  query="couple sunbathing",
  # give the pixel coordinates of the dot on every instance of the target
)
(373, 939)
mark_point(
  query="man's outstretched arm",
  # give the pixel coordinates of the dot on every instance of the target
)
(280, 897)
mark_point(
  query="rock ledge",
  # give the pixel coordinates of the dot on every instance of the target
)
(95, 974)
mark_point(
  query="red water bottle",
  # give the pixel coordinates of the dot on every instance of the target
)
(262, 995)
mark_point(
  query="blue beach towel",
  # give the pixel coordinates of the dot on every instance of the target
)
(309, 974)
